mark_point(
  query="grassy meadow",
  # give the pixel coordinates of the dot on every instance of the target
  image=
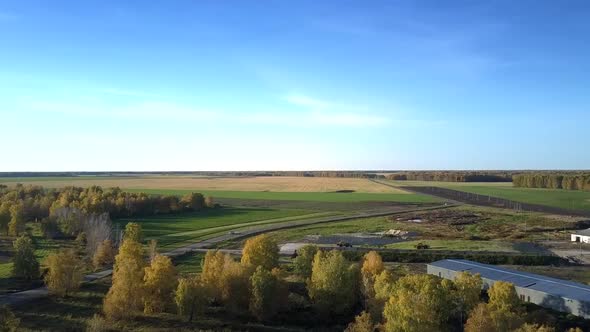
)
(402, 197)
(565, 199)
(172, 231)
(489, 229)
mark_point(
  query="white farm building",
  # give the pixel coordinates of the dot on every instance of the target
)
(581, 236)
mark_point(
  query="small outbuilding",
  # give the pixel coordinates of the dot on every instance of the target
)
(581, 236)
(557, 294)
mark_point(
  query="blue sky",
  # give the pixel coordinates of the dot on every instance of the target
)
(252, 85)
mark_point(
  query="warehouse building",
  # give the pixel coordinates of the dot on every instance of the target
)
(581, 236)
(561, 295)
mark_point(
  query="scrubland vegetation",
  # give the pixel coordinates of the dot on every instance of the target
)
(54, 237)
(324, 285)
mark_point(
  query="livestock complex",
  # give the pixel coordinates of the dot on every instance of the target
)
(561, 295)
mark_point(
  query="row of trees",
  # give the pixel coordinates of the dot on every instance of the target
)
(84, 213)
(255, 282)
(36, 203)
(453, 176)
(552, 181)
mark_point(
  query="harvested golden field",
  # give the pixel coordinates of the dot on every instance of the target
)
(276, 183)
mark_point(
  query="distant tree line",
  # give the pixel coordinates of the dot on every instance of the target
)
(349, 174)
(453, 176)
(553, 181)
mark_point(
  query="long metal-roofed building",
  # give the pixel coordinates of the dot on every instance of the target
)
(557, 294)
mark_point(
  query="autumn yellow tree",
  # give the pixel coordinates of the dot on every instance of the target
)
(382, 290)
(333, 286)
(417, 303)
(372, 266)
(468, 289)
(480, 319)
(65, 272)
(534, 328)
(504, 306)
(133, 232)
(212, 269)
(268, 293)
(160, 283)
(24, 262)
(191, 297)
(575, 329)
(235, 286)
(17, 219)
(304, 260)
(104, 256)
(209, 202)
(4, 217)
(261, 250)
(362, 323)
(125, 297)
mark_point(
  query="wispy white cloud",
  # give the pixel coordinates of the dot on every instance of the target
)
(130, 93)
(323, 112)
(312, 113)
(306, 101)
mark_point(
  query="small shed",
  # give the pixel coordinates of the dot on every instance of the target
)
(581, 236)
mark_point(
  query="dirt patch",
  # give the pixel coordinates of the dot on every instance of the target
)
(355, 239)
(449, 217)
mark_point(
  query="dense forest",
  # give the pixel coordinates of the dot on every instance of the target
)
(453, 176)
(579, 181)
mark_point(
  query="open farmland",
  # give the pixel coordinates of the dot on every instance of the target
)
(303, 196)
(318, 189)
(559, 198)
(261, 184)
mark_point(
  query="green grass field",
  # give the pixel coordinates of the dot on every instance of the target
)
(43, 248)
(467, 245)
(565, 199)
(301, 196)
(176, 230)
(494, 229)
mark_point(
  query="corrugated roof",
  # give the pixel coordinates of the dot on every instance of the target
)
(585, 232)
(564, 288)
